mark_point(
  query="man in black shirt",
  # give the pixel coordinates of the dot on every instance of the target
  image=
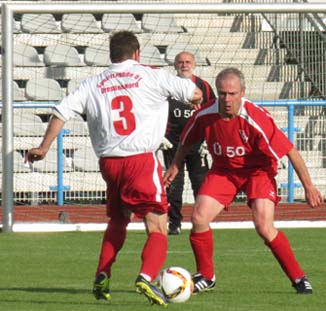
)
(196, 160)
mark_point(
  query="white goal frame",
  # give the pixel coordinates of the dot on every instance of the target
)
(7, 11)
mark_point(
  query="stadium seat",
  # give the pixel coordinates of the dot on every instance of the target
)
(86, 182)
(251, 72)
(261, 90)
(164, 39)
(50, 163)
(18, 164)
(39, 23)
(80, 23)
(15, 26)
(18, 94)
(27, 124)
(113, 22)
(173, 49)
(203, 22)
(312, 158)
(26, 55)
(73, 84)
(76, 126)
(84, 159)
(61, 55)
(160, 23)
(150, 55)
(43, 89)
(97, 56)
(232, 57)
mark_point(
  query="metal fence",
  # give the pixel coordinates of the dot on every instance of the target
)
(279, 64)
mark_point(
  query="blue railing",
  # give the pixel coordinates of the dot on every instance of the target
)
(60, 187)
(290, 104)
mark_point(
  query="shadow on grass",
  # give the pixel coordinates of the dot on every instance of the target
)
(57, 290)
(47, 290)
(16, 298)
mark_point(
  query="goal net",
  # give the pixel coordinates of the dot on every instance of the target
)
(281, 55)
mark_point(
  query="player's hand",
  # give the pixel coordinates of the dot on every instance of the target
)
(35, 154)
(313, 196)
(170, 174)
(195, 107)
(165, 144)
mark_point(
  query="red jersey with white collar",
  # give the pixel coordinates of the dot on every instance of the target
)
(248, 141)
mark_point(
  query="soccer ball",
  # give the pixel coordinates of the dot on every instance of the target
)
(176, 284)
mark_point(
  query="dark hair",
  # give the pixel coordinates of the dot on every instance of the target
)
(122, 46)
(231, 71)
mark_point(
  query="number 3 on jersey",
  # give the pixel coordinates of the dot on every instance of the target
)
(126, 122)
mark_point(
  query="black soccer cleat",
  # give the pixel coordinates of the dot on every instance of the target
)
(202, 284)
(302, 286)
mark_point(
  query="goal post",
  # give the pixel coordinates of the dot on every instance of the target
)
(267, 65)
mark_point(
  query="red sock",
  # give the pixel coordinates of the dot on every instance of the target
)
(113, 240)
(154, 254)
(282, 251)
(203, 247)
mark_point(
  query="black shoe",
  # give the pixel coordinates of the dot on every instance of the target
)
(174, 230)
(202, 284)
(302, 286)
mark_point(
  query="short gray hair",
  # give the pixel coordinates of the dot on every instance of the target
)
(231, 71)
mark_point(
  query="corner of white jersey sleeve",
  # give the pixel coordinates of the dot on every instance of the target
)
(192, 90)
(58, 114)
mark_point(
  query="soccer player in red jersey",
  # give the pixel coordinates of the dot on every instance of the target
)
(127, 110)
(245, 145)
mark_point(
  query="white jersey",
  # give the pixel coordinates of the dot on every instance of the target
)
(126, 107)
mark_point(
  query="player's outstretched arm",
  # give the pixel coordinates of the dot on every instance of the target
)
(313, 196)
(54, 127)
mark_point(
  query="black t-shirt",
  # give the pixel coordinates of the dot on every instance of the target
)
(179, 113)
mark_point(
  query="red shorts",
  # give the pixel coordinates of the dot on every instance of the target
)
(224, 186)
(134, 183)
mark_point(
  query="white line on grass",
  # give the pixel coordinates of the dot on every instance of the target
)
(86, 227)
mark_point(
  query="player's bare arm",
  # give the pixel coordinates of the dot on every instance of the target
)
(173, 170)
(54, 127)
(313, 196)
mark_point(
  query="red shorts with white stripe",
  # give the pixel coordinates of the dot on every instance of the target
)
(223, 186)
(134, 183)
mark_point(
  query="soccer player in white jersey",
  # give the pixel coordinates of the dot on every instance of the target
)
(245, 145)
(126, 108)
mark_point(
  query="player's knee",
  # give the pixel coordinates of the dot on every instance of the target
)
(266, 232)
(199, 219)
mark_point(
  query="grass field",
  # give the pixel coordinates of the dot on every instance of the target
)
(54, 271)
